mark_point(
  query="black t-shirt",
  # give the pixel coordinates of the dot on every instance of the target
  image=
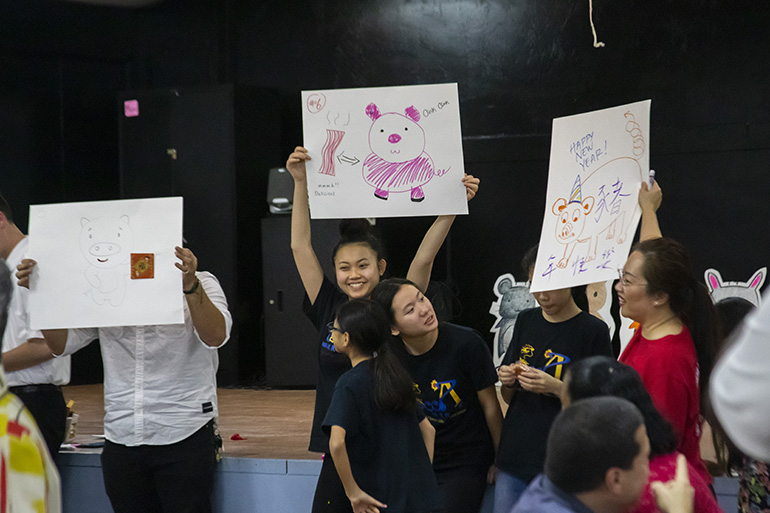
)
(447, 380)
(331, 364)
(549, 347)
(387, 453)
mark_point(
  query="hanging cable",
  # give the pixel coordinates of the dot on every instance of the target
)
(597, 44)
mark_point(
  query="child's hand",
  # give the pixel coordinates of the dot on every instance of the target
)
(677, 495)
(471, 186)
(507, 375)
(362, 502)
(539, 382)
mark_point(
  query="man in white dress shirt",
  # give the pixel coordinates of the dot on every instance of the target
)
(32, 372)
(160, 399)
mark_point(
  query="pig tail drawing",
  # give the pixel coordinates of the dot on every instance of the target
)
(635, 131)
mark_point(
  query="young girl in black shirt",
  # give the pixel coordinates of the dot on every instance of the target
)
(545, 340)
(381, 442)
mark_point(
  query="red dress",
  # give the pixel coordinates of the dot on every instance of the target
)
(663, 468)
(668, 367)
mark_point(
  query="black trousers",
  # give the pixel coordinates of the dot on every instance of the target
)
(47, 406)
(462, 488)
(329, 493)
(174, 478)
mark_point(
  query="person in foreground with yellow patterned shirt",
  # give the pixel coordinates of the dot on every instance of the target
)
(29, 481)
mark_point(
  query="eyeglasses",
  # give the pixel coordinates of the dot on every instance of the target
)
(624, 281)
(330, 326)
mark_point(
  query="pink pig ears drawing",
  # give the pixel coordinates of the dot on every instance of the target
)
(398, 161)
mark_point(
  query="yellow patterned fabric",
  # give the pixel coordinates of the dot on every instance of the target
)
(29, 481)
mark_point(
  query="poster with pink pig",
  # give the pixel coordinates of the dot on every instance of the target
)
(384, 152)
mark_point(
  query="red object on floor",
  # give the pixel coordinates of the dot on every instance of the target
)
(236, 436)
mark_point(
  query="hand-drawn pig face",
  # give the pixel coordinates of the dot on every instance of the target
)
(395, 137)
(571, 218)
(106, 241)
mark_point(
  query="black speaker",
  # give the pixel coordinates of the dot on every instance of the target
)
(280, 190)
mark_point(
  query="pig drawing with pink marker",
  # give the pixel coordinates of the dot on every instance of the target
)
(398, 162)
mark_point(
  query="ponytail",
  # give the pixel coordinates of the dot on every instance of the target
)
(369, 330)
(393, 386)
(706, 331)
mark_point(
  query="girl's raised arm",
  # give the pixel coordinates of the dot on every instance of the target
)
(310, 271)
(422, 264)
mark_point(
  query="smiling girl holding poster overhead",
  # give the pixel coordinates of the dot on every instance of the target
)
(359, 265)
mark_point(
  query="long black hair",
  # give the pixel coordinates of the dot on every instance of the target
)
(367, 326)
(601, 376)
(578, 293)
(667, 270)
(358, 231)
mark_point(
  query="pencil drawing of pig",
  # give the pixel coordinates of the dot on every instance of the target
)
(398, 162)
(106, 243)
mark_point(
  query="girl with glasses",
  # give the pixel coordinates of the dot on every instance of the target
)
(380, 440)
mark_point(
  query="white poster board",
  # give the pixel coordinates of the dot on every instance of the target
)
(105, 263)
(598, 162)
(384, 152)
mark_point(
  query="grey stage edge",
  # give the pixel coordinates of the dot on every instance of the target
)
(252, 485)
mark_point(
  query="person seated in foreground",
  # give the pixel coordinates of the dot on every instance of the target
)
(597, 460)
(29, 478)
(600, 376)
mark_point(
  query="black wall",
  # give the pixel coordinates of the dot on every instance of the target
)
(519, 64)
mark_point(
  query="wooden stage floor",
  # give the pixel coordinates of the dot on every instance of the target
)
(275, 423)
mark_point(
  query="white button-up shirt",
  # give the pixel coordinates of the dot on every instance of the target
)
(55, 371)
(159, 381)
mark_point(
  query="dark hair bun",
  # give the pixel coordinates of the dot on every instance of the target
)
(354, 229)
(358, 231)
